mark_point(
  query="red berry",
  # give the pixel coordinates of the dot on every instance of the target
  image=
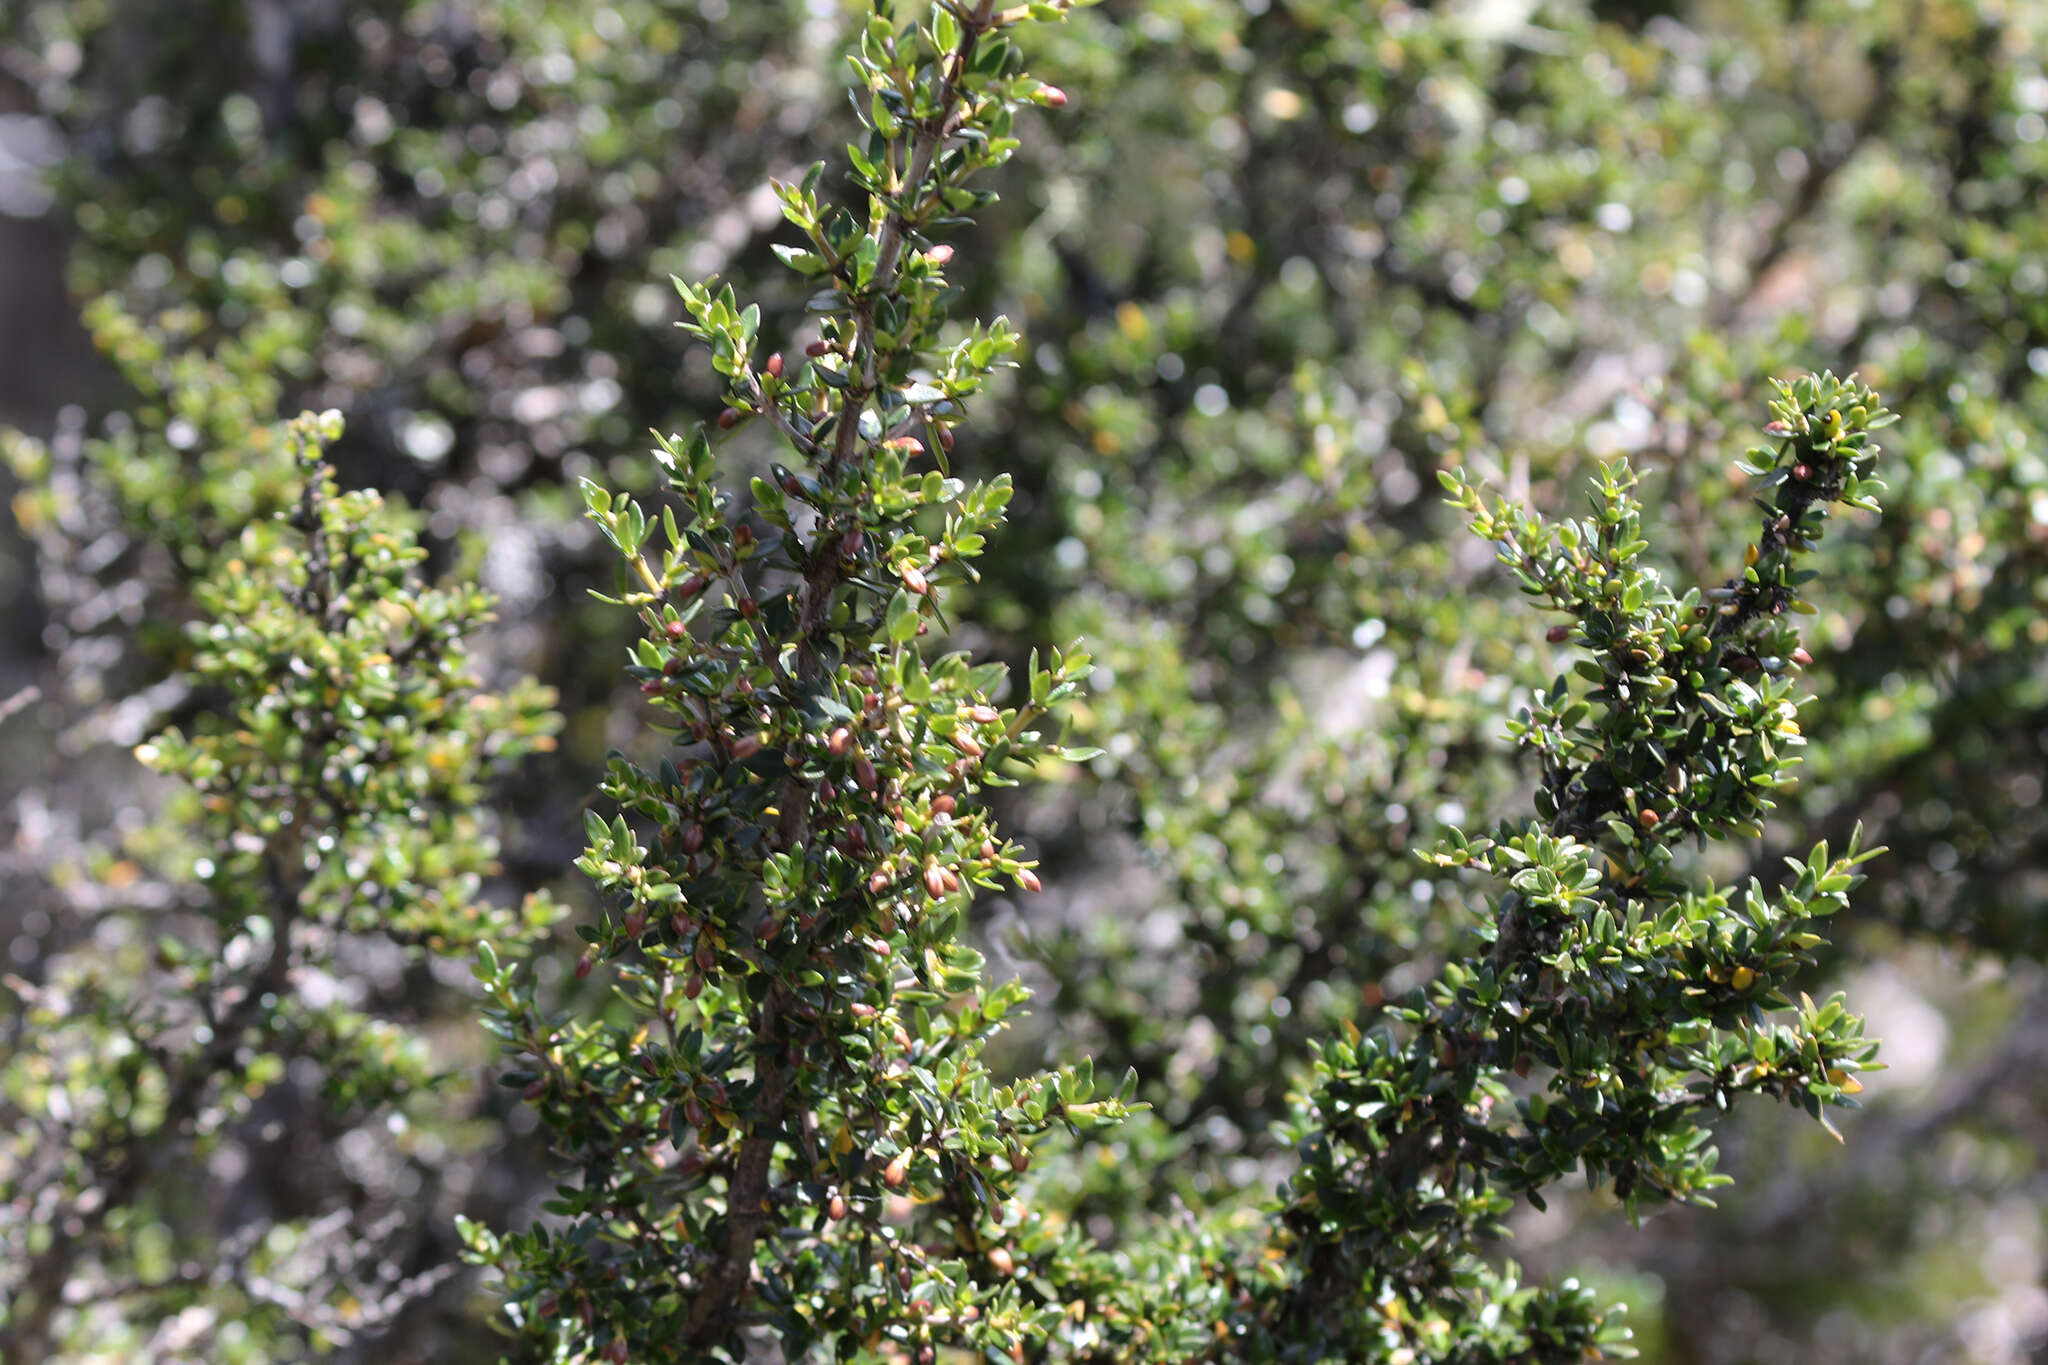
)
(676, 630)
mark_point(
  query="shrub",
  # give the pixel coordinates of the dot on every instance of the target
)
(1291, 264)
(789, 1125)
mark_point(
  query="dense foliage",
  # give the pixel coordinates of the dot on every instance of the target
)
(1381, 979)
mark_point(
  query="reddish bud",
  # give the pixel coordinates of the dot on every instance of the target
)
(1557, 635)
(535, 1088)
(966, 744)
(729, 419)
(706, 958)
(675, 630)
(940, 255)
(691, 586)
(839, 742)
(694, 987)
(743, 535)
(636, 924)
(944, 804)
(748, 607)
(897, 1171)
(548, 1306)
(770, 927)
(861, 1009)
(864, 772)
(746, 746)
(792, 486)
(1780, 429)
(878, 883)
(914, 579)
(774, 366)
(1052, 97)
(693, 838)
(583, 966)
(935, 881)
(616, 1352)
(1028, 879)
(1001, 1261)
(904, 1278)
(817, 348)
(871, 701)
(651, 686)
(1020, 1159)
(946, 437)
(694, 1113)
(1801, 657)
(835, 1208)
(1649, 819)
(850, 543)
(984, 715)
(1802, 472)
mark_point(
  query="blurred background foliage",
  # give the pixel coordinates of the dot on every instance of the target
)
(1281, 260)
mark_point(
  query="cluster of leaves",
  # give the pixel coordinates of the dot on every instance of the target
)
(791, 1125)
(325, 809)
